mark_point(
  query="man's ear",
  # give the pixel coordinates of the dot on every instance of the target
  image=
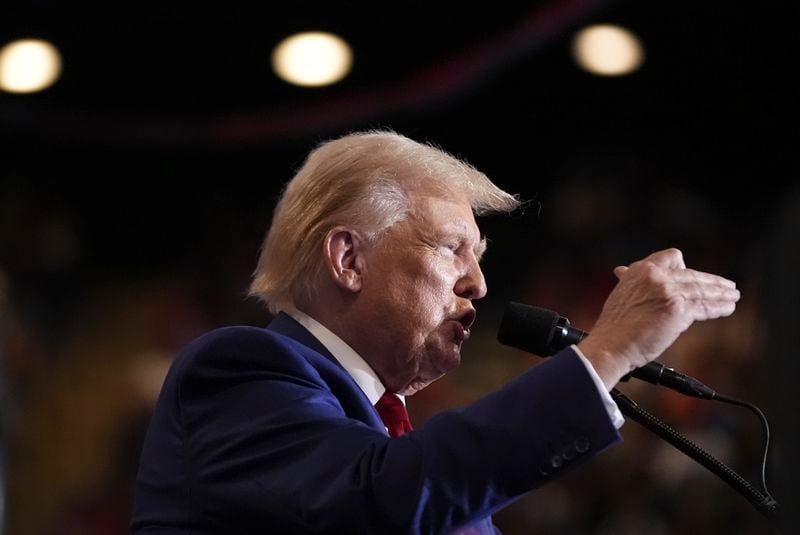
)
(344, 250)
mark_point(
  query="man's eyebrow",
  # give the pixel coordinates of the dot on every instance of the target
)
(481, 248)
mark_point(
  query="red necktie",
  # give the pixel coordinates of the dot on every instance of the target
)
(393, 413)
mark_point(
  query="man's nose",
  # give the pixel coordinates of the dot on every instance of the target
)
(472, 285)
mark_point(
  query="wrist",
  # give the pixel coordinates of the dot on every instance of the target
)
(610, 364)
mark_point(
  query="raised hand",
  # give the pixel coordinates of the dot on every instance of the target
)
(655, 300)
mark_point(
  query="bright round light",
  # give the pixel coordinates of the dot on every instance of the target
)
(28, 65)
(312, 59)
(607, 50)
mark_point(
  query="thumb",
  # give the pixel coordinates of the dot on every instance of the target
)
(620, 270)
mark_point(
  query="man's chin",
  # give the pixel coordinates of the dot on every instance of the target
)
(436, 370)
(417, 384)
(445, 361)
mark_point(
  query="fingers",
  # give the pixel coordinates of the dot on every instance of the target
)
(691, 291)
(698, 286)
(714, 309)
(700, 277)
(707, 301)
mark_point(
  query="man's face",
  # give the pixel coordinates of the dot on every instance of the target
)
(418, 285)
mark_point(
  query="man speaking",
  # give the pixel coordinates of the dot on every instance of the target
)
(370, 266)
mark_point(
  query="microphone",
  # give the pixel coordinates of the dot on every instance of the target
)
(544, 333)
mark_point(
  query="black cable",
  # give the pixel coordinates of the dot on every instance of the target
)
(689, 386)
(765, 426)
(764, 503)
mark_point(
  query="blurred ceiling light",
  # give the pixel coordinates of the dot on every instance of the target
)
(607, 50)
(312, 59)
(28, 65)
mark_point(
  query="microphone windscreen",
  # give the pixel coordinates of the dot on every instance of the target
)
(528, 328)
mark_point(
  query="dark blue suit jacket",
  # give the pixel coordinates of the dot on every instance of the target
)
(262, 431)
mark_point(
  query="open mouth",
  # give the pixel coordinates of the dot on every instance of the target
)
(462, 323)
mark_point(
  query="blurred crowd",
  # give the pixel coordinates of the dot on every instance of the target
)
(83, 359)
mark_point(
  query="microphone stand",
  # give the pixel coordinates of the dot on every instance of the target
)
(764, 504)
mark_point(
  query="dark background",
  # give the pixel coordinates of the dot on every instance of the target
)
(135, 192)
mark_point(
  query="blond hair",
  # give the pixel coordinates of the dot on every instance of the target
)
(363, 180)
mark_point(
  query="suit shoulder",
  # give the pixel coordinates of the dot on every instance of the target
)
(238, 342)
(232, 336)
(245, 350)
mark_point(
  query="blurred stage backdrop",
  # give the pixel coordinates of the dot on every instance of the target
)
(136, 188)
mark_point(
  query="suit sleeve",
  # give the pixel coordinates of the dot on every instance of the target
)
(270, 445)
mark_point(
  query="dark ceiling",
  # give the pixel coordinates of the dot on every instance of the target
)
(199, 75)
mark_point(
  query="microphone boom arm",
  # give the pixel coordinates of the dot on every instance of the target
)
(763, 503)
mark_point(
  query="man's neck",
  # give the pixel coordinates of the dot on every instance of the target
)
(355, 365)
